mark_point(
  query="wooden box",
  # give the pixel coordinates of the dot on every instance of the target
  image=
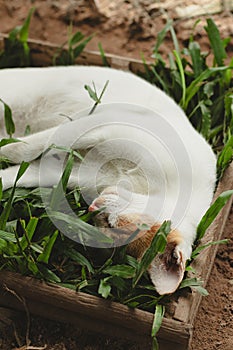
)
(93, 313)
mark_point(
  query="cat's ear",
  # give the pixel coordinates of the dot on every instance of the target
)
(167, 270)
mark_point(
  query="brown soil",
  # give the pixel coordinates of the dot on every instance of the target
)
(132, 28)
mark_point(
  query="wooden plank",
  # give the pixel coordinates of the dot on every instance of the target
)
(55, 302)
(204, 263)
(187, 308)
(42, 54)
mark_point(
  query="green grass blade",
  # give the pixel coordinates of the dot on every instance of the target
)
(161, 35)
(7, 236)
(9, 123)
(23, 167)
(104, 288)
(216, 42)
(79, 230)
(103, 56)
(7, 209)
(212, 212)
(79, 49)
(1, 189)
(92, 93)
(80, 259)
(44, 257)
(158, 318)
(225, 157)
(160, 80)
(29, 231)
(123, 271)
(23, 33)
(75, 38)
(197, 60)
(155, 344)
(197, 251)
(174, 39)
(195, 284)
(158, 245)
(194, 87)
(48, 275)
(58, 192)
(5, 142)
(182, 77)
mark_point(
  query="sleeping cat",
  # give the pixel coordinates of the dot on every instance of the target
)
(141, 161)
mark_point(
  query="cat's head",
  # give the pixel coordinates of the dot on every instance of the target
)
(167, 269)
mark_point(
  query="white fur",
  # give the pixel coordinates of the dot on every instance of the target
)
(41, 97)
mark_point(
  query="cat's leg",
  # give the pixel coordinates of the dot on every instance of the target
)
(29, 148)
(66, 135)
(35, 176)
(29, 179)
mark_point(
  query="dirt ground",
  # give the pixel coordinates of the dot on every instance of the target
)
(131, 28)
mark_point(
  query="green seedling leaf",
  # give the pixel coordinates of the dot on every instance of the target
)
(9, 124)
(201, 290)
(225, 157)
(33, 267)
(27, 130)
(48, 275)
(182, 76)
(197, 251)
(79, 230)
(194, 87)
(76, 38)
(1, 189)
(206, 119)
(93, 95)
(76, 44)
(161, 36)
(212, 212)
(5, 142)
(58, 193)
(7, 208)
(80, 259)
(174, 39)
(198, 64)
(160, 80)
(104, 288)
(216, 42)
(29, 231)
(79, 49)
(7, 236)
(44, 257)
(23, 167)
(23, 32)
(158, 245)
(158, 318)
(123, 271)
(195, 284)
(155, 344)
(102, 54)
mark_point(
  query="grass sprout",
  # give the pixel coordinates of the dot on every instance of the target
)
(16, 52)
(76, 44)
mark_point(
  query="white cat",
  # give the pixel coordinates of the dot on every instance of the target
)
(142, 159)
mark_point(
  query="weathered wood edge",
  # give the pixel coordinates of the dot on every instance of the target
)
(187, 308)
(42, 54)
(86, 310)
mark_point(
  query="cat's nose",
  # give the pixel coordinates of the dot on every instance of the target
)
(93, 207)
